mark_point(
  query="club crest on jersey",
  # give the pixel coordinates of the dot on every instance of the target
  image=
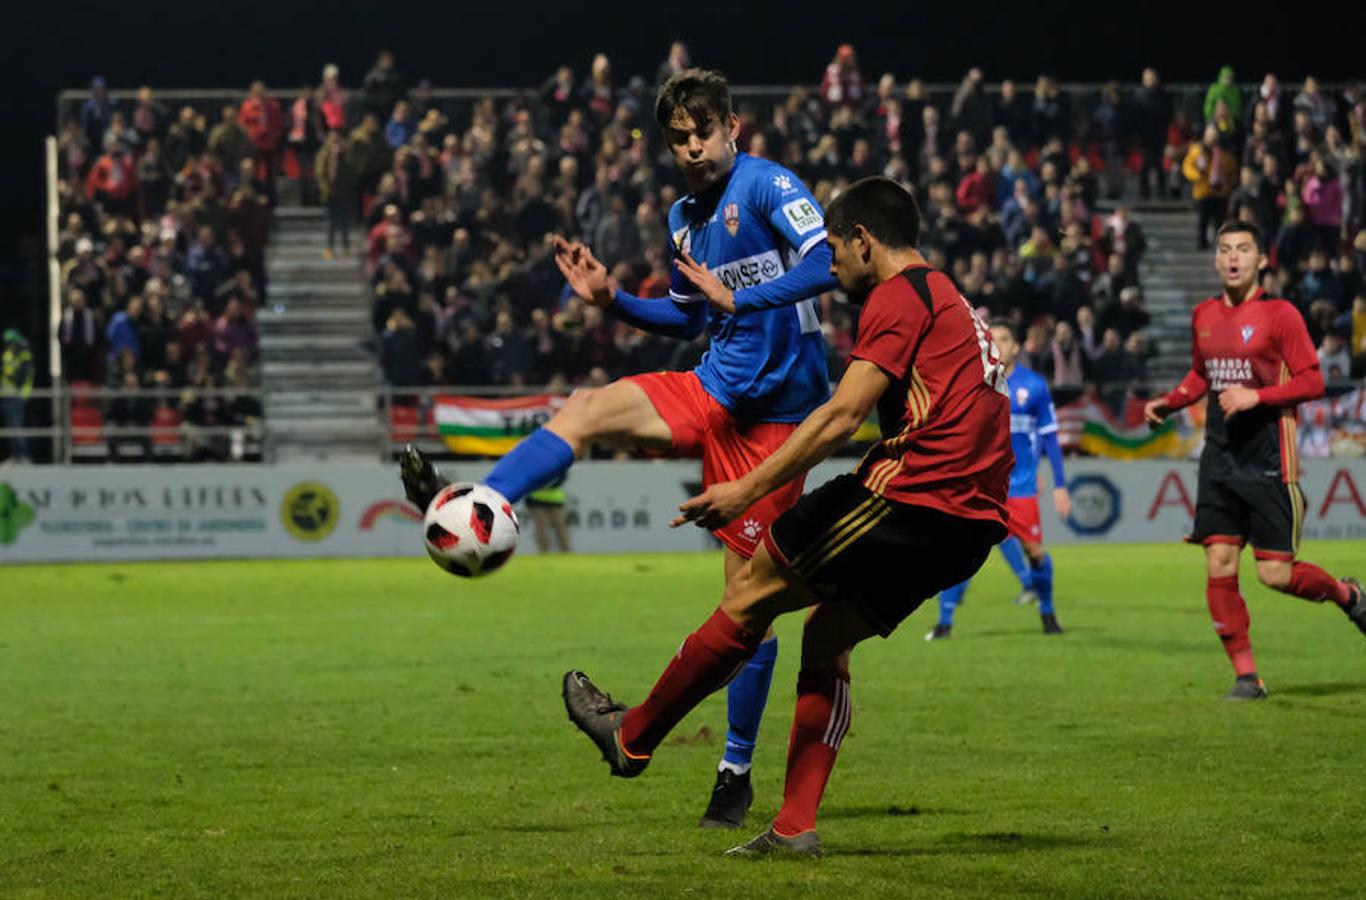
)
(1021, 395)
(732, 218)
(1247, 333)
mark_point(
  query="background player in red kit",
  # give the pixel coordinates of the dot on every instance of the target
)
(1254, 356)
(921, 512)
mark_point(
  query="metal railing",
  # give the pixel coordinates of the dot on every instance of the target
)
(455, 103)
(70, 436)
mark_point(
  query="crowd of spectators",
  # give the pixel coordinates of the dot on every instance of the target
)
(457, 211)
(1022, 189)
(1291, 163)
(163, 227)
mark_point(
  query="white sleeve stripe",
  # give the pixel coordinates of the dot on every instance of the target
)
(686, 298)
(811, 242)
(1049, 429)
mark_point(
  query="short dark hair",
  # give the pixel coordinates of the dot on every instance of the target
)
(1003, 322)
(703, 93)
(1235, 226)
(883, 207)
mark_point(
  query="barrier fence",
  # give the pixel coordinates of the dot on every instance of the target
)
(81, 423)
(272, 511)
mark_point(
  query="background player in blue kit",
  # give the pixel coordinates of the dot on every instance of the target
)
(751, 256)
(1033, 427)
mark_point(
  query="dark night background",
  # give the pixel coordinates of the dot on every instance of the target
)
(55, 46)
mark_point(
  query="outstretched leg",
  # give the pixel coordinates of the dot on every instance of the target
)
(620, 411)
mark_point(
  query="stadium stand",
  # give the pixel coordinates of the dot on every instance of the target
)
(1075, 211)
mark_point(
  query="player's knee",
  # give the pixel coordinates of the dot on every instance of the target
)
(575, 419)
(752, 594)
(1221, 560)
(1274, 573)
(1035, 552)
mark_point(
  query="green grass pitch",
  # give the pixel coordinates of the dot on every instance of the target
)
(380, 729)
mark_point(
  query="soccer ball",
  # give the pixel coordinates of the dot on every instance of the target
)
(470, 529)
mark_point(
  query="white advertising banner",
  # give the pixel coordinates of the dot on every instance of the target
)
(247, 511)
(244, 511)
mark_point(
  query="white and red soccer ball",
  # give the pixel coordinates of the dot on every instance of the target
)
(470, 529)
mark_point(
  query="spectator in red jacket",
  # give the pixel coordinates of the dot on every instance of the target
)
(264, 122)
(332, 99)
(842, 84)
(977, 188)
(113, 181)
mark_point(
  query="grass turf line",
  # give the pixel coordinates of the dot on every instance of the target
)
(377, 728)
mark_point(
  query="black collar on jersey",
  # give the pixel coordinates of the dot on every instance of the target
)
(699, 207)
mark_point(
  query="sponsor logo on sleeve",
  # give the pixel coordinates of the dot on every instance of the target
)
(783, 183)
(803, 215)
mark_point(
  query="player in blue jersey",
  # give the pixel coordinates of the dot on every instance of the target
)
(1033, 427)
(750, 254)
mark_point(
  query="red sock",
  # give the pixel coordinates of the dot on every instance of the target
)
(817, 729)
(709, 657)
(1229, 612)
(1309, 582)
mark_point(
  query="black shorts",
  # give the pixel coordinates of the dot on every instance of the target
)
(849, 545)
(1266, 512)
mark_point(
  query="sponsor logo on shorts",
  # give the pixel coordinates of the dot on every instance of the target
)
(751, 529)
(310, 511)
(803, 215)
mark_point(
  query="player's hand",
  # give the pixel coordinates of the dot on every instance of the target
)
(586, 274)
(715, 506)
(1155, 412)
(1062, 502)
(721, 297)
(1234, 400)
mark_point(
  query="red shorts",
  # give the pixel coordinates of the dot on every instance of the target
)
(729, 449)
(1022, 519)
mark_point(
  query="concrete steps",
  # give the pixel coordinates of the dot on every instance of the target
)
(317, 314)
(1176, 275)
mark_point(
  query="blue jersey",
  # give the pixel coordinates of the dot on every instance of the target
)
(767, 365)
(1031, 417)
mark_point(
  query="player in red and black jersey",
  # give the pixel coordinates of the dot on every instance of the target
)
(1252, 354)
(921, 512)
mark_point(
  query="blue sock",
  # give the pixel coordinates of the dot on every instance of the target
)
(538, 460)
(949, 598)
(745, 699)
(1043, 584)
(1014, 554)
